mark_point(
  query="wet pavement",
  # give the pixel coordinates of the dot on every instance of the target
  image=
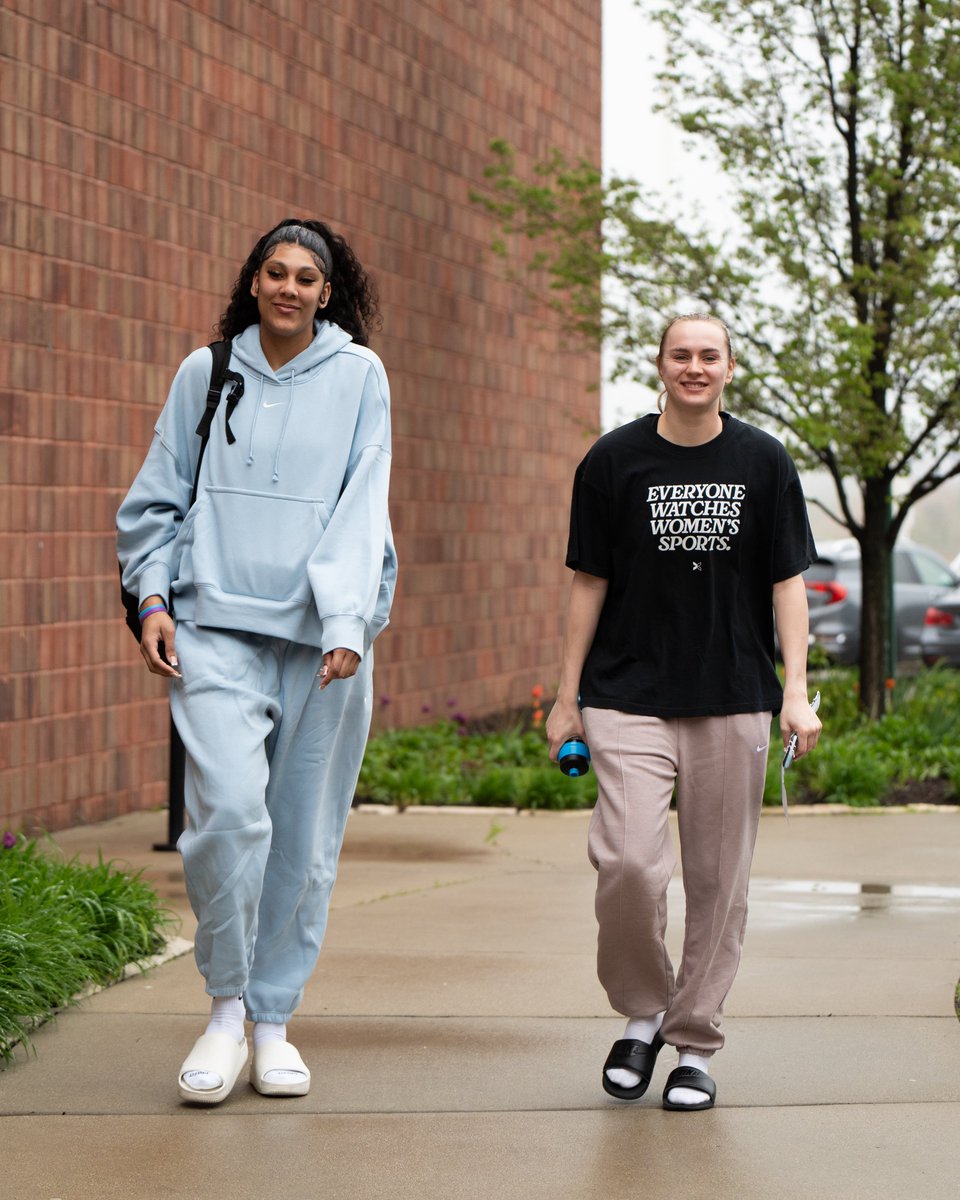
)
(456, 1031)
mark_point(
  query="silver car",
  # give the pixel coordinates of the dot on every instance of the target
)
(940, 636)
(920, 578)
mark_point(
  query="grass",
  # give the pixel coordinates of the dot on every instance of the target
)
(912, 751)
(63, 927)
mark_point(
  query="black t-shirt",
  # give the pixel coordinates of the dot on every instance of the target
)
(692, 540)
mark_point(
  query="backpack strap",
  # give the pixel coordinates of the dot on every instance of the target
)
(219, 375)
(236, 391)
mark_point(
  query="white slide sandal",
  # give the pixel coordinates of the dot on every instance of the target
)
(274, 1055)
(215, 1054)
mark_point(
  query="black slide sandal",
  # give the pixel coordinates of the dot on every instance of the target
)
(690, 1077)
(631, 1055)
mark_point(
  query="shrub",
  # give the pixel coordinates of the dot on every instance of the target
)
(63, 926)
(446, 763)
(548, 787)
(844, 773)
(503, 761)
(860, 762)
(496, 787)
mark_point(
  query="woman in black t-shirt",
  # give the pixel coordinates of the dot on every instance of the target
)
(688, 536)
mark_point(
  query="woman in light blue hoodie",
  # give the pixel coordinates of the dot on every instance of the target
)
(281, 575)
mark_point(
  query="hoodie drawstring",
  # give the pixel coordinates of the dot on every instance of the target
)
(283, 427)
(253, 423)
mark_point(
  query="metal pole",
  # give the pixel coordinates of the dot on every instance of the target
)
(175, 792)
(891, 613)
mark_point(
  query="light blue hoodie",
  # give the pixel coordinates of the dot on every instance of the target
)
(290, 535)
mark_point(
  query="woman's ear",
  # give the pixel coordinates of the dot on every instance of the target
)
(255, 284)
(324, 297)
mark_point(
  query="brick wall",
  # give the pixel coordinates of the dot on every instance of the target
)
(143, 148)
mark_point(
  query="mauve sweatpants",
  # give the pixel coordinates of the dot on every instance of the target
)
(718, 765)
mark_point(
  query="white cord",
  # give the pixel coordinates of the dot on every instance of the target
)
(788, 759)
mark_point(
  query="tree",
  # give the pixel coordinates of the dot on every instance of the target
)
(835, 125)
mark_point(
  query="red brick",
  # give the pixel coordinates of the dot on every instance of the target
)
(131, 139)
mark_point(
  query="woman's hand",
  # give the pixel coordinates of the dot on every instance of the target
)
(564, 722)
(157, 631)
(798, 717)
(338, 664)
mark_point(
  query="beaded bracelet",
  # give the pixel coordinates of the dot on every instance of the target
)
(154, 608)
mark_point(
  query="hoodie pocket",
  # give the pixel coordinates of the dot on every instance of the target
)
(256, 543)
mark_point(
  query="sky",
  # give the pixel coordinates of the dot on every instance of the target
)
(636, 143)
(641, 144)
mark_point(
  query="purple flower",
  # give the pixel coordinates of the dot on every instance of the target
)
(424, 708)
(451, 702)
(460, 718)
(9, 840)
(384, 700)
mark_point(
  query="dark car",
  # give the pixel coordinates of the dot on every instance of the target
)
(940, 636)
(920, 578)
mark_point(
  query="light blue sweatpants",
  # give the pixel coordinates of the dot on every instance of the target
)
(272, 765)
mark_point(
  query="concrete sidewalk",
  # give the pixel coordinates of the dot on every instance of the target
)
(456, 1031)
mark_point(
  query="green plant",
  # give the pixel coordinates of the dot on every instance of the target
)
(450, 763)
(493, 833)
(497, 786)
(63, 926)
(502, 762)
(860, 761)
(844, 774)
(547, 787)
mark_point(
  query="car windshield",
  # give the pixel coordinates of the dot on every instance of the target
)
(931, 571)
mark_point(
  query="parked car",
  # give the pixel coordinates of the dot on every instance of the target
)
(920, 578)
(940, 636)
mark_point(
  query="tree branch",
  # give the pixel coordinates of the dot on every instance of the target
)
(927, 484)
(812, 500)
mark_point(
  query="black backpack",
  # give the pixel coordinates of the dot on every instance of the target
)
(219, 375)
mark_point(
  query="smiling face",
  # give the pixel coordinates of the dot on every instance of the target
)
(289, 288)
(695, 364)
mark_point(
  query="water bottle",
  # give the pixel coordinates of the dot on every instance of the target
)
(574, 757)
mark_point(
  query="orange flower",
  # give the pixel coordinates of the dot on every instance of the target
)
(537, 691)
(891, 684)
(538, 716)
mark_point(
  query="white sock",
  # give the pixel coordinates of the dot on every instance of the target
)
(639, 1029)
(226, 1016)
(266, 1031)
(685, 1095)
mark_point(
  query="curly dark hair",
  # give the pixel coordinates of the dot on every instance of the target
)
(353, 303)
